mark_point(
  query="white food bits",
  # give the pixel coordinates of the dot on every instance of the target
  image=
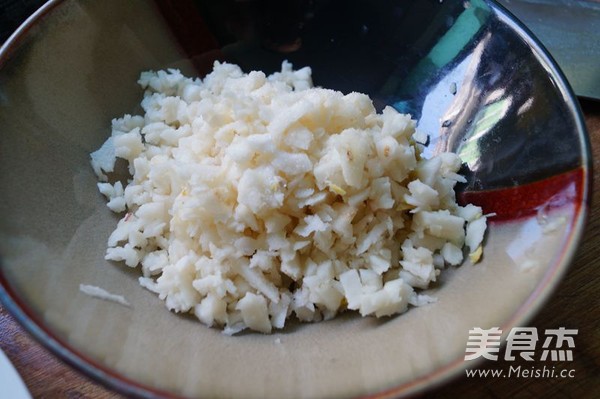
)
(280, 311)
(441, 224)
(103, 159)
(127, 254)
(422, 196)
(292, 164)
(255, 198)
(452, 254)
(392, 298)
(154, 262)
(379, 262)
(352, 287)
(381, 194)
(353, 149)
(128, 145)
(397, 125)
(255, 312)
(309, 225)
(474, 238)
(101, 293)
(210, 310)
(418, 262)
(322, 291)
(115, 195)
(299, 138)
(258, 189)
(259, 282)
(469, 212)
(475, 233)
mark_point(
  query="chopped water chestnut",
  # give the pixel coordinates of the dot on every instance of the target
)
(256, 198)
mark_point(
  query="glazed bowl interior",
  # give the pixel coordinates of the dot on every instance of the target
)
(474, 78)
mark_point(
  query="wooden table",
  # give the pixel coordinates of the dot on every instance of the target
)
(574, 305)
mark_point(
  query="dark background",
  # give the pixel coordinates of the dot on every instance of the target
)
(13, 12)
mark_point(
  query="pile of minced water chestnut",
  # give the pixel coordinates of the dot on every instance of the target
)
(256, 198)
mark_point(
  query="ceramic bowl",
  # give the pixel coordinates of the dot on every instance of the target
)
(476, 80)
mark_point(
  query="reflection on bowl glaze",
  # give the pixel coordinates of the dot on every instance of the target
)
(519, 201)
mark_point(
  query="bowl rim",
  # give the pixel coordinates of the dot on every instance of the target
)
(546, 286)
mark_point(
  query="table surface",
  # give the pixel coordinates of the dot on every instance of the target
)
(574, 304)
